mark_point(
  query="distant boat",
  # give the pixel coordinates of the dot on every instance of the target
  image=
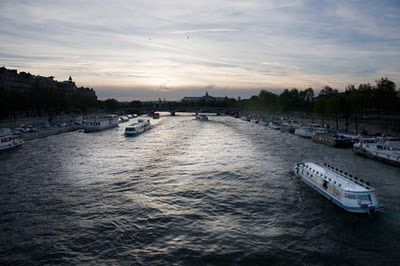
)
(333, 140)
(138, 127)
(9, 140)
(255, 120)
(263, 122)
(123, 118)
(202, 118)
(386, 150)
(275, 125)
(305, 132)
(289, 127)
(102, 123)
(342, 189)
(309, 131)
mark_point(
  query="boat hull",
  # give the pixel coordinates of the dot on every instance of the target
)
(98, 128)
(288, 129)
(363, 152)
(332, 141)
(303, 134)
(12, 145)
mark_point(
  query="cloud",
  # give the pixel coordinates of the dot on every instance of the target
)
(203, 30)
(235, 45)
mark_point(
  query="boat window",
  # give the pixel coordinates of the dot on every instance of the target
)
(351, 196)
(364, 197)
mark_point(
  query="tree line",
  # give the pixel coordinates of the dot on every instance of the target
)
(378, 99)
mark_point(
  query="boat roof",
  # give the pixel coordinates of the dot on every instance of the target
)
(342, 180)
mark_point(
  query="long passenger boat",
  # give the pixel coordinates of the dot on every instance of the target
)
(98, 124)
(343, 189)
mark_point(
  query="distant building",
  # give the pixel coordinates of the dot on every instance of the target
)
(206, 98)
(11, 80)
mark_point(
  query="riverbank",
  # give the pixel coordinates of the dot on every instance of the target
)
(370, 126)
(42, 133)
(48, 125)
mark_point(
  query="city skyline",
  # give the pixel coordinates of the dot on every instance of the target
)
(138, 50)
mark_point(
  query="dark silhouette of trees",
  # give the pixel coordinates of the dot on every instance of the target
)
(366, 99)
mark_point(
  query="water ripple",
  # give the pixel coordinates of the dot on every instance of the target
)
(186, 193)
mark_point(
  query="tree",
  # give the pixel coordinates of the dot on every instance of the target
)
(111, 105)
(333, 107)
(320, 107)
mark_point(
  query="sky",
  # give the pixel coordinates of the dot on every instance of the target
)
(154, 49)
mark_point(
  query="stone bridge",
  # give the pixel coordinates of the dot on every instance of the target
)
(174, 109)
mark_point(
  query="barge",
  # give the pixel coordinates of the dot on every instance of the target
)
(386, 150)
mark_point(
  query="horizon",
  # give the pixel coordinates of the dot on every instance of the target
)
(175, 49)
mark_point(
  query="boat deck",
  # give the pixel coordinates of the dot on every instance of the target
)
(340, 181)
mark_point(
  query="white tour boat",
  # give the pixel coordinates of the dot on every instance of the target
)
(138, 127)
(341, 188)
(386, 149)
(98, 124)
(9, 140)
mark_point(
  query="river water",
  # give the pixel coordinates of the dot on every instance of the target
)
(187, 193)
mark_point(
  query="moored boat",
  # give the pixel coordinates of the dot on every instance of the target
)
(287, 126)
(343, 189)
(9, 140)
(386, 150)
(123, 118)
(138, 127)
(333, 140)
(305, 132)
(263, 122)
(275, 125)
(202, 118)
(102, 123)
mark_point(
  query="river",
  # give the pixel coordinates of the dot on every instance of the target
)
(187, 192)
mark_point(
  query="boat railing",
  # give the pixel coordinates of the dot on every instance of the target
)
(355, 179)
